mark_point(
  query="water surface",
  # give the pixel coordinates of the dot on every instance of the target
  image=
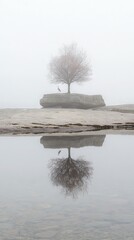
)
(63, 188)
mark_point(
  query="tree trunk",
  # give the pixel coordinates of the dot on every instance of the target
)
(69, 152)
(68, 87)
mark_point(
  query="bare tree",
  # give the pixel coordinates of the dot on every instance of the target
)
(70, 66)
(72, 175)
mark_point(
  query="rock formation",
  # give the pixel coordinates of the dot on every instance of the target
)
(73, 100)
(72, 141)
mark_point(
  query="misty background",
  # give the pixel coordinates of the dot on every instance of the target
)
(32, 31)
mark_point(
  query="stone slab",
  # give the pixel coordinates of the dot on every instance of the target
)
(73, 100)
(125, 108)
(72, 141)
(55, 121)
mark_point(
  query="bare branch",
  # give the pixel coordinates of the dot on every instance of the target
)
(72, 175)
(70, 66)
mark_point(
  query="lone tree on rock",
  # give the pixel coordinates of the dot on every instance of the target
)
(70, 66)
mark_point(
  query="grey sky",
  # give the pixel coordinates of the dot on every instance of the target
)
(32, 31)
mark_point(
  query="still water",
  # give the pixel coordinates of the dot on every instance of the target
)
(67, 188)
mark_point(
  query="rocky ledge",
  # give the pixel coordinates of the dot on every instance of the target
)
(64, 121)
(73, 100)
(125, 108)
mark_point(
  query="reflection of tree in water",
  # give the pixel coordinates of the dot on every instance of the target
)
(71, 174)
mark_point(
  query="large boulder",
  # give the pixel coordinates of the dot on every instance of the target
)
(73, 100)
(72, 141)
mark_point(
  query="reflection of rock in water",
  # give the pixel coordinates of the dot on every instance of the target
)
(72, 175)
(72, 141)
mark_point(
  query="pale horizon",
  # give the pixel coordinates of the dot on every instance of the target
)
(33, 31)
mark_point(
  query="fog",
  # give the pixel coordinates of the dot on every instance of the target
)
(32, 31)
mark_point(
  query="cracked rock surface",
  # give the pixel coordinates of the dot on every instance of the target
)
(38, 121)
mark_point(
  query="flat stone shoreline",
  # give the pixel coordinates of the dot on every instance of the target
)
(67, 121)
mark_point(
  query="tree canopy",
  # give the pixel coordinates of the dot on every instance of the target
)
(72, 175)
(71, 65)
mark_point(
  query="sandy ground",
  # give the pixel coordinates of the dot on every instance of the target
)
(56, 121)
